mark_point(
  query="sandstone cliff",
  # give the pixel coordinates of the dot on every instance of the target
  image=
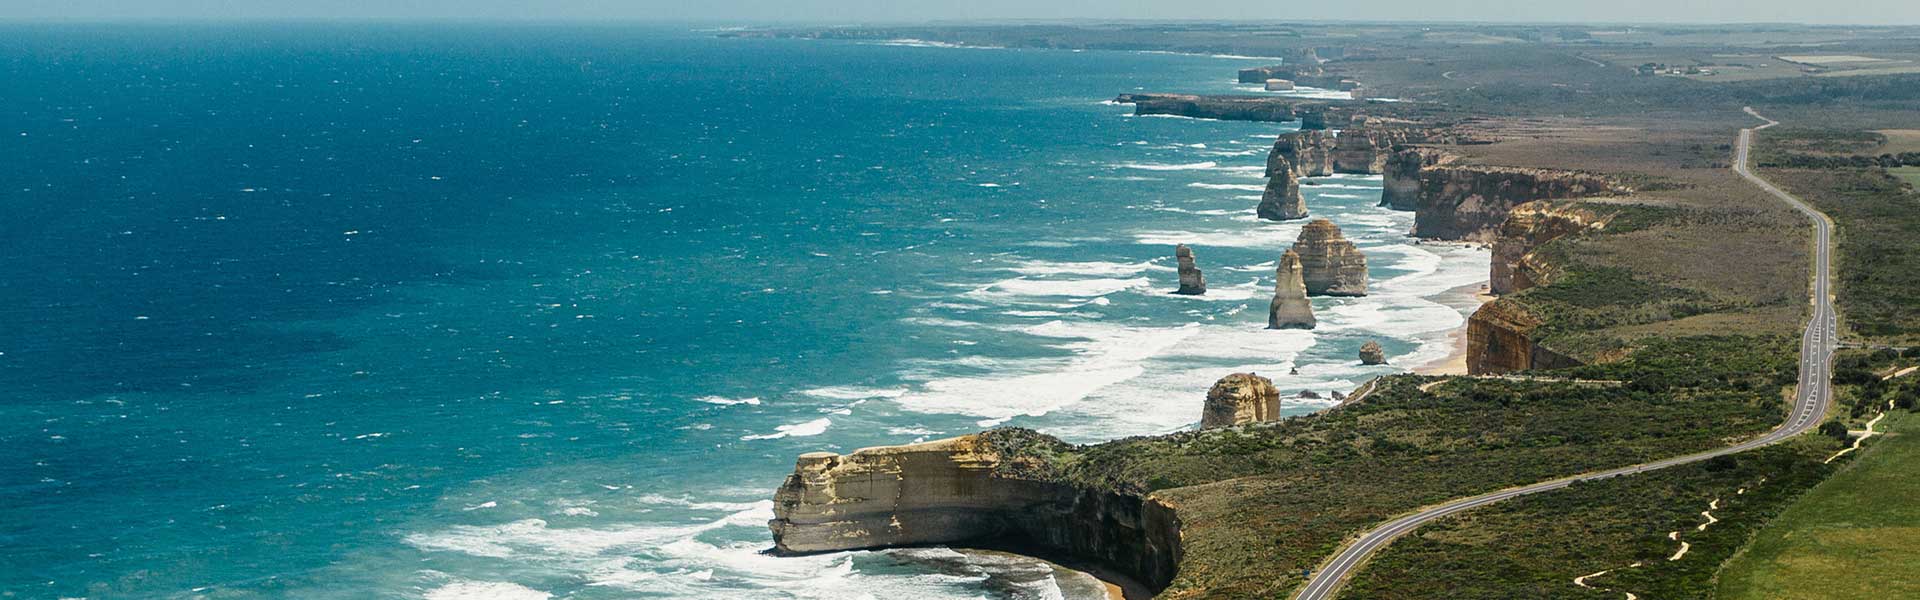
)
(1528, 227)
(1192, 282)
(1400, 175)
(1331, 265)
(1282, 200)
(992, 489)
(1239, 399)
(1309, 153)
(1226, 108)
(1365, 148)
(1468, 202)
(1290, 308)
(1499, 340)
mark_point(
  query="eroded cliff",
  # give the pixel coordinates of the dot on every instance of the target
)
(1469, 202)
(993, 489)
(1331, 265)
(1239, 399)
(1500, 340)
(1282, 201)
(1527, 228)
(1308, 153)
(1400, 175)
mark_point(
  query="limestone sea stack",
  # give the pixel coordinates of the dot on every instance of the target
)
(1282, 201)
(1239, 399)
(1331, 265)
(1290, 308)
(1371, 354)
(1192, 283)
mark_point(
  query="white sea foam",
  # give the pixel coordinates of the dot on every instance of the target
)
(809, 428)
(485, 590)
(1199, 166)
(1247, 187)
(1011, 289)
(1042, 268)
(1102, 355)
(725, 401)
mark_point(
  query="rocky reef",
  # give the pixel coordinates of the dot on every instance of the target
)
(1372, 354)
(1192, 282)
(1500, 340)
(1290, 308)
(1332, 266)
(1308, 153)
(1282, 200)
(1400, 175)
(1469, 202)
(1239, 399)
(994, 489)
(1528, 227)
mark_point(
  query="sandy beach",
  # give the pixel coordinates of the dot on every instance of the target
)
(1466, 299)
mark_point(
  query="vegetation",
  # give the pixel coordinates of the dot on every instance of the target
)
(1852, 537)
(1259, 504)
(1534, 546)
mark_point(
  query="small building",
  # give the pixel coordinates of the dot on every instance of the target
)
(1279, 85)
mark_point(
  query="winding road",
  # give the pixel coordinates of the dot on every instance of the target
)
(1812, 396)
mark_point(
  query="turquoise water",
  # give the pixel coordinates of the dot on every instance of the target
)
(384, 311)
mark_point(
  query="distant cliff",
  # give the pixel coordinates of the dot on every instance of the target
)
(1400, 175)
(1499, 340)
(1528, 227)
(993, 489)
(1309, 153)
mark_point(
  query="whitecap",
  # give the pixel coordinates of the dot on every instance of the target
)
(485, 590)
(809, 428)
(725, 401)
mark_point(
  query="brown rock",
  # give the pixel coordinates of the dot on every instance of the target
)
(1400, 178)
(1191, 281)
(1528, 227)
(1469, 202)
(1282, 201)
(1331, 265)
(1371, 354)
(1500, 340)
(1310, 153)
(1290, 308)
(1239, 399)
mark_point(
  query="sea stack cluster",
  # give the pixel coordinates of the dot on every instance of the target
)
(1192, 282)
(1282, 201)
(1332, 265)
(1290, 308)
(1239, 399)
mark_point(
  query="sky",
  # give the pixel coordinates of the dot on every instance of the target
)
(871, 11)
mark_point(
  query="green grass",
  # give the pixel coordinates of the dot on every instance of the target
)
(1907, 175)
(1878, 219)
(1855, 536)
(1533, 546)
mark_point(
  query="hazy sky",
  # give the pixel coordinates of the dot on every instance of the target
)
(1803, 11)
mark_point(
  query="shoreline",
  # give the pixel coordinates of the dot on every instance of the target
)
(1466, 298)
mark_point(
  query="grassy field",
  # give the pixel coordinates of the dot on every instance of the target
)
(1533, 547)
(1910, 175)
(1878, 219)
(1855, 536)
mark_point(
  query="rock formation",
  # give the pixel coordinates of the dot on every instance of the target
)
(1332, 266)
(1227, 108)
(1371, 354)
(1309, 153)
(1282, 201)
(1239, 399)
(1468, 202)
(1365, 148)
(1290, 308)
(992, 489)
(1400, 177)
(1528, 227)
(1191, 281)
(1500, 340)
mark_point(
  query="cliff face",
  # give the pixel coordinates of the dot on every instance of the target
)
(1499, 341)
(980, 489)
(1239, 399)
(1290, 308)
(1282, 200)
(1331, 265)
(1192, 282)
(1309, 153)
(1226, 108)
(1400, 175)
(1469, 202)
(1528, 227)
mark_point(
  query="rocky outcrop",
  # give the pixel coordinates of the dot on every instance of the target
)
(1400, 177)
(1192, 282)
(992, 489)
(1331, 265)
(1239, 399)
(1365, 148)
(1282, 200)
(1371, 354)
(1309, 153)
(1500, 340)
(1469, 202)
(1528, 227)
(1290, 308)
(1226, 108)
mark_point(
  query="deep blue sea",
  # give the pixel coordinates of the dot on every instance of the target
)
(400, 311)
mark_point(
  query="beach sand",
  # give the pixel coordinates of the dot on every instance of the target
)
(1466, 299)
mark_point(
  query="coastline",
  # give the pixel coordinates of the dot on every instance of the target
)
(1466, 299)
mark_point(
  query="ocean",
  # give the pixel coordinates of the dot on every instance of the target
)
(410, 311)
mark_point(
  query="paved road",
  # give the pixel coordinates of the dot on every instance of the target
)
(1811, 398)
